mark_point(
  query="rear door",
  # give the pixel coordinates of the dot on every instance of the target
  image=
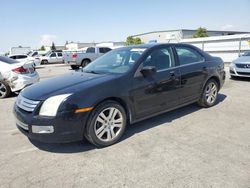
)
(193, 71)
(158, 92)
(59, 57)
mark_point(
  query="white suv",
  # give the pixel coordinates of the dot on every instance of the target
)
(52, 57)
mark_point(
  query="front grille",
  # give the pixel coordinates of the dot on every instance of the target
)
(26, 104)
(244, 73)
(243, 66)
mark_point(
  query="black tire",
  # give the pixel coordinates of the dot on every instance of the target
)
(91, 129)
(43, 62)
(5, 90)
(207, 98)
(85, 62)
(74, 67)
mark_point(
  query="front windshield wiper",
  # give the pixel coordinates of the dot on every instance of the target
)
(91, 71)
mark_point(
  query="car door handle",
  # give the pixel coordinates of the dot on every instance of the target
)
(172, 75)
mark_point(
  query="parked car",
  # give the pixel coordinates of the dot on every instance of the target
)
(124, 86)
(241, 66)
(82, 59)
(15, 76)
(51, 57)
(25, 58)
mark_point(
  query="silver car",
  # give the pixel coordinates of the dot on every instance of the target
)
(241, 66)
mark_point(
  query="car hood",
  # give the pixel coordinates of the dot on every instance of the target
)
(65, 84)
(242, 59)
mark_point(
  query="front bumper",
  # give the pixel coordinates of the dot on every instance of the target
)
(240, 72)
(67, 126)
(23, 81)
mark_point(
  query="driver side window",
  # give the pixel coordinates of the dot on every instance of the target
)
(161, 59)
(53, 55)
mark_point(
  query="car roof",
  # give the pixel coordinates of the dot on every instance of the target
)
(150, 45)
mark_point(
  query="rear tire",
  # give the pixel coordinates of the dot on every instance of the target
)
(85, 62)
(5, 90)
(74, 67)
(106, 124)
(209, 94)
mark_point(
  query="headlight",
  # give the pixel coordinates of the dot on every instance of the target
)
(51, 105)
(232, 65)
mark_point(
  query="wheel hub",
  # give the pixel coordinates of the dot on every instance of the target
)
(211, 93)
(108, 124)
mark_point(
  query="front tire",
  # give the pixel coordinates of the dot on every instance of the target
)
(210, 94)
(106, 124)
(5, 90)
(74, 67)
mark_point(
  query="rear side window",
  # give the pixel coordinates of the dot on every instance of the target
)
(59, 54)
(188, 55)
(7, 60)
(21, 57)
(13, 57)
(90, 50)
(104, 50)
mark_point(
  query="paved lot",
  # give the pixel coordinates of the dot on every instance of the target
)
(189, 147)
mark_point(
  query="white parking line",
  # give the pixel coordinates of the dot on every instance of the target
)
(25, 151)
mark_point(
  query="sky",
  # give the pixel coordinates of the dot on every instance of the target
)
(35, 23)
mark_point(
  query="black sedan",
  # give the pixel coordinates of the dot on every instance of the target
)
(122, 87)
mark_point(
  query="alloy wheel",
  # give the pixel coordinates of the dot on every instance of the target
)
(211, 93)
(108, 124)
(3, 90)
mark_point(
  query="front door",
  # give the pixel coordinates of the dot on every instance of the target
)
(52, 58)
(158, 92)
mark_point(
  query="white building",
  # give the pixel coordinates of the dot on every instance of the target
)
(177, 35)
(58, 47)
(78, 45)
(226, 47)
(225, 44)
(75, 46)
(111, 44)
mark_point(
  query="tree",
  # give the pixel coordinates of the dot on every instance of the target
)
(67, 42)
(53, 47)
(133, 41)
(201, 32)
(42, 48)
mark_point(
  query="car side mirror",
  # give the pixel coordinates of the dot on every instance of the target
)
(148, 71)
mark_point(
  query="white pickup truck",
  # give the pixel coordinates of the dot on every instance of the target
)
(81, 59)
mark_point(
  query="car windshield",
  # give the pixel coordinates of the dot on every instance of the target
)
(246, 54)
(8, 60)
(116, 61)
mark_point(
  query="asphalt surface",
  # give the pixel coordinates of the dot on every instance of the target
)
(188, 147)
